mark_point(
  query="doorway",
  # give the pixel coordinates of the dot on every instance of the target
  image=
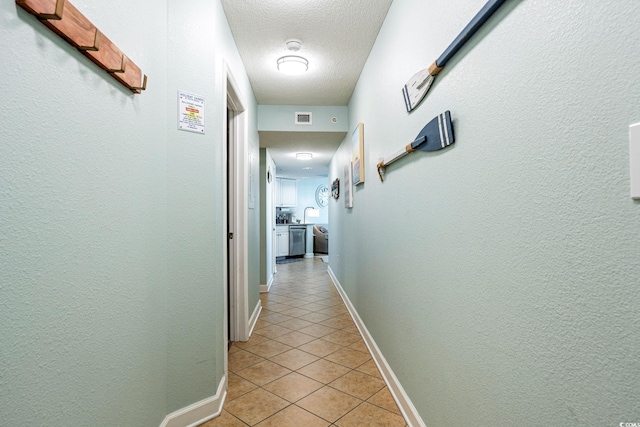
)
(230, 226)
(234, 214)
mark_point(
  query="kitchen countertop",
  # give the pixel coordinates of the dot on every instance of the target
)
(309, 224)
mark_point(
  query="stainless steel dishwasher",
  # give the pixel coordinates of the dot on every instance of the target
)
(297, 239)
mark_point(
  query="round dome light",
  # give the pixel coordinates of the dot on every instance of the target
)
(292, 64)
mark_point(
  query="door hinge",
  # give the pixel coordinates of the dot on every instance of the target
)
(230, 236)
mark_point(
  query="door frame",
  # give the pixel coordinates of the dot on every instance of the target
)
(235, 212)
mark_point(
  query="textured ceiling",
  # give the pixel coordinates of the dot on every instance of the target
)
(336, 35)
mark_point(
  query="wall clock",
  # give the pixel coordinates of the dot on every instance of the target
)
(322, 196)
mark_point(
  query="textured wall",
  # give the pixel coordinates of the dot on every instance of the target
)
(254, 214)
(200, 46)
(500, 277)
(82, 224)
(196, 285)
(306, 196)
(267, 214)
(111, 244)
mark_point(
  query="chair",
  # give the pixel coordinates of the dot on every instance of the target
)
(320, 239)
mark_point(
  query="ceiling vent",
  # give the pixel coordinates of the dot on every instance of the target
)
(303, 118)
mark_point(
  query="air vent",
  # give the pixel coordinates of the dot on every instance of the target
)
(303, 118)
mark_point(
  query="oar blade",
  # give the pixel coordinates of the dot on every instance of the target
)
(438, 132)
(416, 89)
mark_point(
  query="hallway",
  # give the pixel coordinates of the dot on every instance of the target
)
(306, 363)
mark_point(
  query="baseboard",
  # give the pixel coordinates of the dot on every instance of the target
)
(254, 318)
(405, 405)
(199, 412)
(267, 287)
(309, 255)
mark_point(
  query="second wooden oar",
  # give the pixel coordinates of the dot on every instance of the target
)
(436, 135)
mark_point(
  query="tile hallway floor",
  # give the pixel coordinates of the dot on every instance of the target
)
(306, 364)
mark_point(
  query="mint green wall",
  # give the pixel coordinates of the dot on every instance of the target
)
(282, 118)
(199, 50)
(500, 277)
(83, 202)
(306, 196)
(111, 244)
(254, 215)
(267, 213)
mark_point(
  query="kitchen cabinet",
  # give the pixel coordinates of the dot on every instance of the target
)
(282, 240)
(286, 193)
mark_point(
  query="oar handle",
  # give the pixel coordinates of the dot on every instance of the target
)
(471, 28)
(411, 147)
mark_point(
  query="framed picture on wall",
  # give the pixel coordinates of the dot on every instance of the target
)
(357, 144)
(335, 189)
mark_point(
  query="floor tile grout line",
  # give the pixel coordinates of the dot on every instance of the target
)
(331, 314)
(323, 384)
(360, 404)
(230, 414)
(248, 350)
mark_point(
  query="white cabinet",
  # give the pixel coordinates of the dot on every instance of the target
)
(282, 240)
(286, 193)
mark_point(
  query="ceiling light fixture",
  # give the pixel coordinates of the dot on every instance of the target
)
(293, 64)
(304, 156)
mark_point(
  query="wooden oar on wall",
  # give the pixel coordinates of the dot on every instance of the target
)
(418, 85)
(436, 135)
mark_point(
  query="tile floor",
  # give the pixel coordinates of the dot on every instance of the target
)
(306, 364)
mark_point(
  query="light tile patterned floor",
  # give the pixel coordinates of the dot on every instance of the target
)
(306, 364)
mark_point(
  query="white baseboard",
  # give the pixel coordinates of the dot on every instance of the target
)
(199, 412)
(405, 405)
(309, 255)
(254, 318)
(267, 287)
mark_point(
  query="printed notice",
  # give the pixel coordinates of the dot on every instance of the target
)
(190, 112)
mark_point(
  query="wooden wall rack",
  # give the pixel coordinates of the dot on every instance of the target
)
(67, 22)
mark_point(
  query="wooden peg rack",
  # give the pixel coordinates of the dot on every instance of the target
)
(67, 22)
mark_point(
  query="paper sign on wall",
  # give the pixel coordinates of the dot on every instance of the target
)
(190, 112)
